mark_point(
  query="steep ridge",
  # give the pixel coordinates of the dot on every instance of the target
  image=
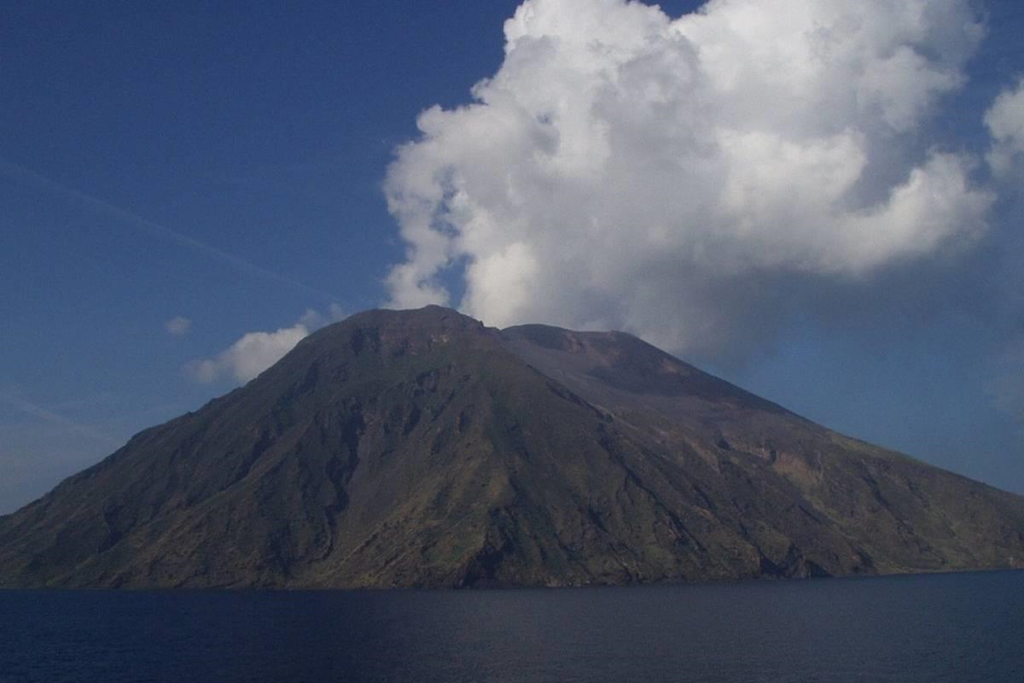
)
(420, 448)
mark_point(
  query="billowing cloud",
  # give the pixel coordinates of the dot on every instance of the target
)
(178, 326)
(676, 177)
(249, 356)
(1005, 121)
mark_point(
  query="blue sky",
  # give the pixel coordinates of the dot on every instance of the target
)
(231, 166)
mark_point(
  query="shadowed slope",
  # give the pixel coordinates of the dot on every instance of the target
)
(903, 515)
(419, 448)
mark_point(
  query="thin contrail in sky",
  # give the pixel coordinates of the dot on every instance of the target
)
(53, 418)
(26, 176)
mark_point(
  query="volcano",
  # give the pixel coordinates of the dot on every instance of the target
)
(423, 449)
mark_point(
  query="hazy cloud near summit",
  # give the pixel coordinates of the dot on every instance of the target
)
(254, 352)
(694, 179)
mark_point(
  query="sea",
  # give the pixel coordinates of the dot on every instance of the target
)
(952, 627)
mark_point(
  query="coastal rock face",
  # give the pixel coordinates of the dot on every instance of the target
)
(420, 448)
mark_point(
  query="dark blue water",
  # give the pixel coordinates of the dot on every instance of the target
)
(962, 628)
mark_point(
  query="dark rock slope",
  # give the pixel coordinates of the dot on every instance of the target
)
(420, 448)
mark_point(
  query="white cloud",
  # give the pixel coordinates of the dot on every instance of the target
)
(254, 352)
(178, 326)
(249, 356)
(626, 169)
(1005, 121)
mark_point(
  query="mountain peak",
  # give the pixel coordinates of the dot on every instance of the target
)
(422, 448)
(410, 322)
